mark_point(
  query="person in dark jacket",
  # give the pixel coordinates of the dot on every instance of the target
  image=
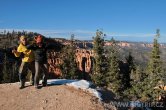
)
(40, 51)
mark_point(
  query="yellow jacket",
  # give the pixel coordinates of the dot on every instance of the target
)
(28, 54)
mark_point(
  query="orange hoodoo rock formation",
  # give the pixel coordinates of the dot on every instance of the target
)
(84, 57)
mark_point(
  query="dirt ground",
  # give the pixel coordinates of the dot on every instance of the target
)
(56, 97)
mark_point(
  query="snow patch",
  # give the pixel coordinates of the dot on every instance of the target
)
(83, 84)
(78, 84)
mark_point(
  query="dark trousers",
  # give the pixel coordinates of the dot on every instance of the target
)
(23, 70)
(41, 66)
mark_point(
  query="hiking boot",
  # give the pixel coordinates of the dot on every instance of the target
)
(31, 83)
(36, 87)
(21, 87)
(22, 84)
(44, 84)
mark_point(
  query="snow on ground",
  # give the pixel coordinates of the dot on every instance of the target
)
(78, 84)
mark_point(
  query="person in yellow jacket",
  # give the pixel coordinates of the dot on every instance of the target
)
(27, 61)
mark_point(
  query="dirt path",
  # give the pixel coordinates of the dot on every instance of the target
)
(57, 97)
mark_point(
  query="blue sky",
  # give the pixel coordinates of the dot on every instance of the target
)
(130, 20)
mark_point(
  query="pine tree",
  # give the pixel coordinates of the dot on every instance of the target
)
(147, 83)
(154, 66)
(5, 71)
(114, 70)
(130, 61)
(99, 71)
(69, 66)
(137, 77)
(155, 73)
(130, 71)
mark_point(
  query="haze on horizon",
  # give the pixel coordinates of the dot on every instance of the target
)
(129, 20)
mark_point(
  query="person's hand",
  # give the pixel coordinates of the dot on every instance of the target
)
(14, 51)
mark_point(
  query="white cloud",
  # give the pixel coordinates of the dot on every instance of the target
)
(85, 34)
(140, 35)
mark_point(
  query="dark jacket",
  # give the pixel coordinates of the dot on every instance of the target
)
(40, 52)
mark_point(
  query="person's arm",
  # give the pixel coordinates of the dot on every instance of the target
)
(56, 46)
(50, 46)
(20, 50)
(28, 52)
(31, 47)
(16, 54)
